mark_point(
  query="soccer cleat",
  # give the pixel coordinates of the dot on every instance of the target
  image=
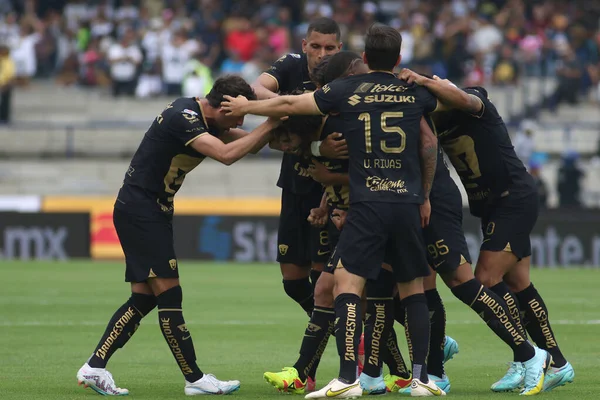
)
(535, 372)
(311, 385)
(361, 354)
(287, 381)
(337, 389)
(450, 349)
(394, 383)
(556, 377)
(443, 382)
(420, 389)
(512, 380)
(209, 384)
(372, 386)
(99, 380)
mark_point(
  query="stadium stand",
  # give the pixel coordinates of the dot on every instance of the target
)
(539, 61)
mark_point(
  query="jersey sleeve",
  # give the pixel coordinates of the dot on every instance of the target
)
(328, 97)
(281, 70)
(480, 94)
(427, 98)
(185, 126)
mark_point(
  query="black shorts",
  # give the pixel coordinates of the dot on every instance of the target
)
(378, 232)
(297, 241)
(444, 236)
(507, 224)
(148, 246)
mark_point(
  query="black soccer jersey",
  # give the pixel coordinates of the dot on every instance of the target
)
(291, 74)
(337, 195)
(381, 122)
(443, 184)
(480, 150)
(163, 159)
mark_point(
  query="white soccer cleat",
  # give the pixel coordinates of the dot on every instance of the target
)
(209, 384)
(339, 390)
(99, 380)
(420, 389)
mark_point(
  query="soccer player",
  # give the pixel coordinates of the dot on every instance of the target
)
(299, 245)
(186, 132)
(503, 195)
(391, 170)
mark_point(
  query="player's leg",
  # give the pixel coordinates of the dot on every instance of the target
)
(506, 227)
(169, 298)
(358, 257)
(293, 250)
(437, 322)
(410, 268)
(296, 379)
(378, 324)
(537, 323)
(126, 319)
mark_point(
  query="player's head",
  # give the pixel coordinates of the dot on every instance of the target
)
(336, 66)
(296, 132)
(233, 86)
(322, 38)
(382, 47)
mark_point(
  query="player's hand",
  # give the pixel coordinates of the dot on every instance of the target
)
(411, 76)
(425, 210)
(319, 172)
(338, 217)
(318, 217)
(234, 106)
(333, 147)
(446, 81)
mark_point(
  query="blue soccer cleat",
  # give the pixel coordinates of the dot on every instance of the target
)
(372, 386)
(450, 349)
(556, 377)
(512, 380)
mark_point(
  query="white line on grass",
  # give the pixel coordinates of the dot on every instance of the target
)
(249, 323)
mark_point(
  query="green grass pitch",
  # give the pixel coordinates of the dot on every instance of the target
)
(52, 315)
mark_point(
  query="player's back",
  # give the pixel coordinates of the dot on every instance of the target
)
(482, 153)
(163, 158)
(381, 118)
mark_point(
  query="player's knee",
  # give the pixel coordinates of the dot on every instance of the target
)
(487, 276)
(462, 274)
(293, 272)
(324, 295)
(144, 303)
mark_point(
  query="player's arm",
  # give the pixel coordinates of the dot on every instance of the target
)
(279, 106)
(235, 134)
(319, 172)
(453, 97)
(448, 94)
(228, 153)
(428, 148)
(265, 86)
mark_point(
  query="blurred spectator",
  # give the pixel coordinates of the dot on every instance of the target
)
(242, 40)
(569, 76)
(7, 76)
(198, 79)
(542, 188)
(506, 70)
(124, 57)
(173, 59)
(23, 54)
(523, 141)
(569, 181)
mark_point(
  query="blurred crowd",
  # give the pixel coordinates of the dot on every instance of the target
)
(149, 47)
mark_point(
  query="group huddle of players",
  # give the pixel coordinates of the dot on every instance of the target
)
(369, 217)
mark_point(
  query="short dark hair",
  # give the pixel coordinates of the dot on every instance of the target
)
(334, 66)
(382, 47)
(305, 126)
(231, 85)
(326, 26)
